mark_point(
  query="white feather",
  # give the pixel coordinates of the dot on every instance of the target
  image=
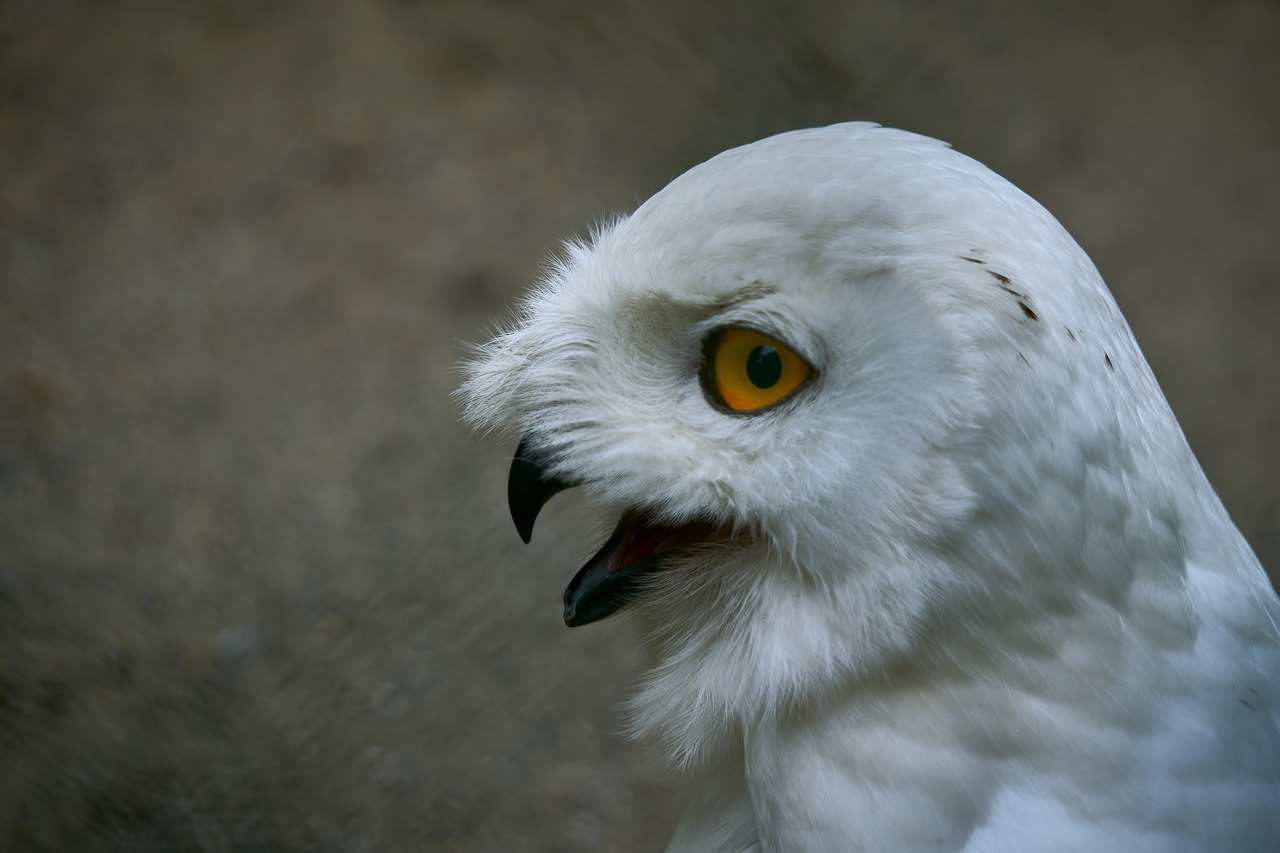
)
(984, 599)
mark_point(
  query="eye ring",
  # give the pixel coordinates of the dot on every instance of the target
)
(745, 371)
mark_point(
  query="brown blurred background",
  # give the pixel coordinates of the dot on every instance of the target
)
(258, 589)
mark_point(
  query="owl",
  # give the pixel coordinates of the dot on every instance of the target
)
(917, 551)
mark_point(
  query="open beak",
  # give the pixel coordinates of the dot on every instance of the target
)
(615, 576)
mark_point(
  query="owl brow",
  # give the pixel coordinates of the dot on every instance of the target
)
(700, 308)
(750, 293)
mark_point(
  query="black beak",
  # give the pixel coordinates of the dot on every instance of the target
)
(529, 487)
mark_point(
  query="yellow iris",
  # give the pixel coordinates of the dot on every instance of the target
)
(747, 371)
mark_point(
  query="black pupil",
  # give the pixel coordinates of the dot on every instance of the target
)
(764, 366)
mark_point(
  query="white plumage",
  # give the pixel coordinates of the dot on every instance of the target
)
(965, 587)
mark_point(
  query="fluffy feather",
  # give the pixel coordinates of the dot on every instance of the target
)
(978, 594)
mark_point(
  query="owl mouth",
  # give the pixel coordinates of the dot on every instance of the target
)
(615, 576)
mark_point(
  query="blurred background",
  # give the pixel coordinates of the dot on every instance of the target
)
(258, 588)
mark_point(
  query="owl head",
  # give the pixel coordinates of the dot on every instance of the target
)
(837, 394)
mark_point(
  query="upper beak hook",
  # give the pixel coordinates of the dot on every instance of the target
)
(529, 487)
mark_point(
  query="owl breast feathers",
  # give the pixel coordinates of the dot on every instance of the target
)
(916, 545)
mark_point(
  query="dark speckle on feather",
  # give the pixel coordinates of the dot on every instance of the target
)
(1026, 309)
(1107, 358)
(1005, 284)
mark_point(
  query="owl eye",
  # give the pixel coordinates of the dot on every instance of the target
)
(745, 371)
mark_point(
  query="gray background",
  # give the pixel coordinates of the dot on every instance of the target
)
(258, 590)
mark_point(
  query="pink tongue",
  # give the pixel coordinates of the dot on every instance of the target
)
(641, 540)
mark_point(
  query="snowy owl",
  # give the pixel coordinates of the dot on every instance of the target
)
(917, 551)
